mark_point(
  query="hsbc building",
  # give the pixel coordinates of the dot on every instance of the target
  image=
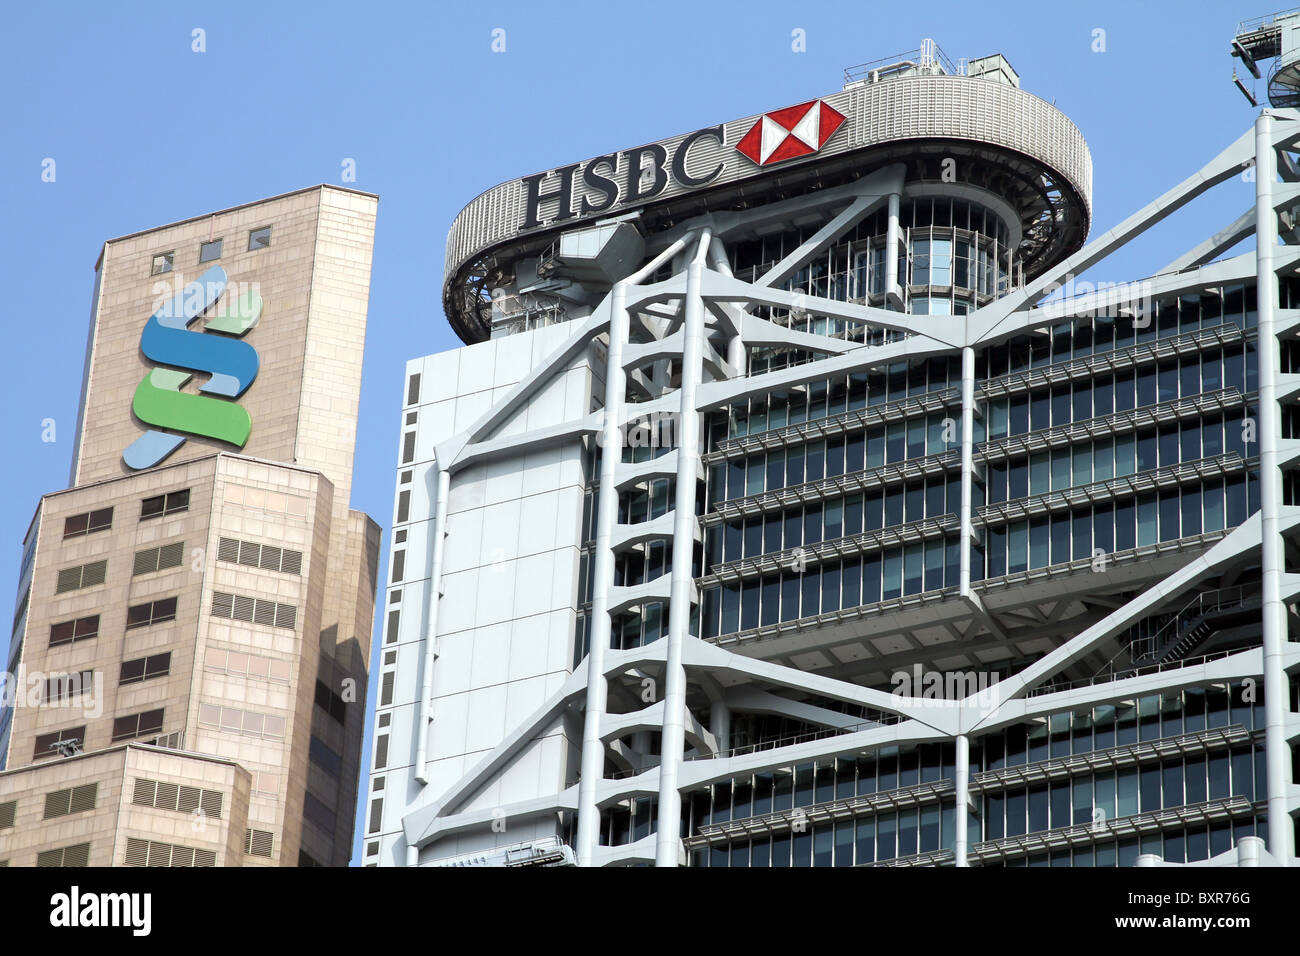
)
(793, 502)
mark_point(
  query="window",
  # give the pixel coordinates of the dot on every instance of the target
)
(168, 504)
(61, 686)
(413, 389)
(47, 744)
(258, 842)
(69, 632)
(60, 803)
(210, 251)
(330, 702)
(7, 813)
(238, 664)
(137, 725)
(158, 559)
(162, 263)
(408, 447)
(267, 557)
(145, 668)
(171, 796)
(81, 576)
(152, 853)
(87, 522)
(154, 612)
(259, 238)
(245, 722)
(237, 607)
(318, 813)
(324, 757)
(76, 855)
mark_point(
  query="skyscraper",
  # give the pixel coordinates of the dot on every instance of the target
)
(191, 643)
(794, 501)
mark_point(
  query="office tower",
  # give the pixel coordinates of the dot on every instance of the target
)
(190, 649)
(794, 500)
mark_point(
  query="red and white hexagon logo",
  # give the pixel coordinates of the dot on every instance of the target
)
(791, 132)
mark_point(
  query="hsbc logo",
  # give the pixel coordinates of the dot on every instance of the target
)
(606, 184)
(790, 133)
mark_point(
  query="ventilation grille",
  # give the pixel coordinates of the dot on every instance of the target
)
(159, 559)
(81, 576)
(60, 803)
(171, 796)
(238, 607)
(77, 855)
(267, 557)
(150, 853)
(258, 842)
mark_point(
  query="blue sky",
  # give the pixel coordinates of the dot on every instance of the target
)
(144, 131)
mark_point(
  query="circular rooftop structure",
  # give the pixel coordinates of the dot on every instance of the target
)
(1002, 138)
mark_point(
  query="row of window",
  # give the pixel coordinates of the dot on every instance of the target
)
(892, 836)
(1100, 797)
(131, 726)
(210, 251)
(805, 589)
(1192, 710)
(1230, 305)
(1120, 456)
(1055, 470)
(127, 727)
(1106, 393)
(1058, 735)
(832, 518)
(1235, 366)
(245, 722)
(101, 519)
(916, 215)
(1199, 508)
(240, 664)
(826, 398)
(828, 458)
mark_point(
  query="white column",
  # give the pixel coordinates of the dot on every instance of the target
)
(961, 812)
(611, 445)
(720, 724)
(736, 353)
(1277, 756)
(891, 250)
(668, 840)
(967, 463)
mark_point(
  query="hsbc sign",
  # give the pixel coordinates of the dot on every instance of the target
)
(789, 133)
(638, 175)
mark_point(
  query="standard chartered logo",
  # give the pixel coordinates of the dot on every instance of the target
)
(215, 350)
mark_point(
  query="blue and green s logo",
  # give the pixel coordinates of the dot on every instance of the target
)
(231, 364)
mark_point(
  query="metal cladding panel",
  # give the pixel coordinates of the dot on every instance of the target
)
(920, 107)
